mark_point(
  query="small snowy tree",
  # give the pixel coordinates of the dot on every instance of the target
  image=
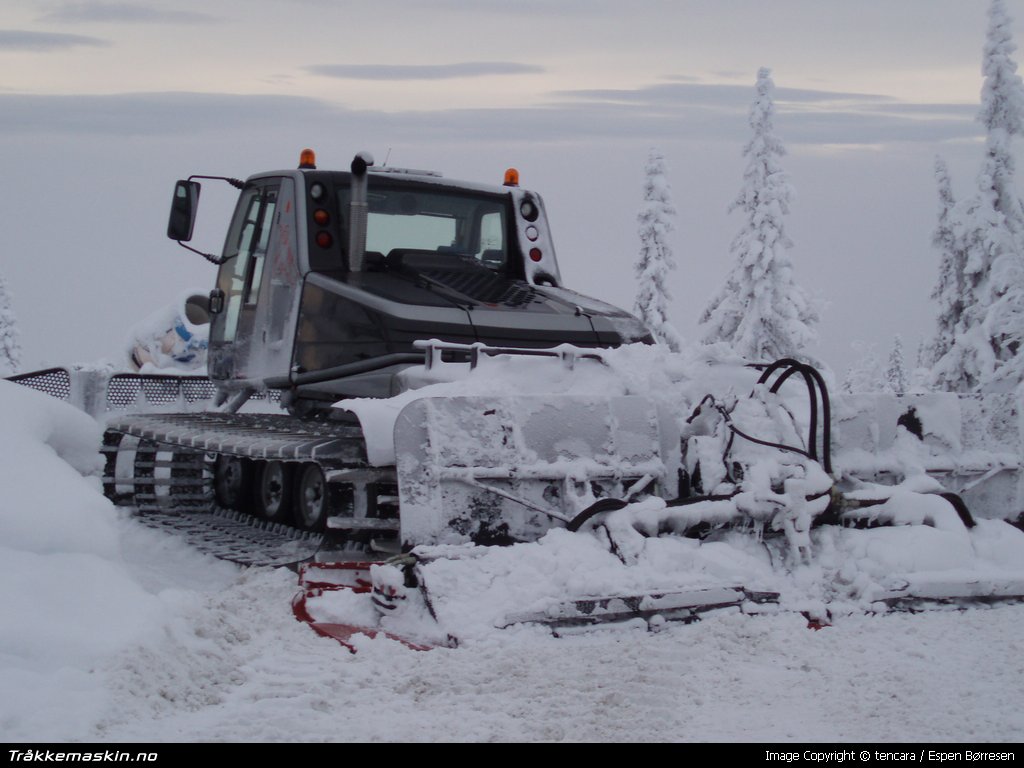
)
(10, 347)
(896, 371)
(864, 375)
(655, 260)
(761, 312)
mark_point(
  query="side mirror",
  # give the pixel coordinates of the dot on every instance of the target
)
(183, 211)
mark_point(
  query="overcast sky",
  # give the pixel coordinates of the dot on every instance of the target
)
(103, 105)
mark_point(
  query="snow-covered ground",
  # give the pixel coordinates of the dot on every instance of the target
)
(114, 632)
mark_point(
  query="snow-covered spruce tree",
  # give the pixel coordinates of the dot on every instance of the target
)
(954, 354)
(10, 347)
(990, 227)
(970, 359)
(950, 289)
(896, 371)
(655, 260)
(761, 312)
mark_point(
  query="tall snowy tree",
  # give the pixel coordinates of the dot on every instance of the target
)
(655, 260)
(761, 312)
(950, 289)
(988, 229)
(10, 347)
(952, 351)
(1002, 225)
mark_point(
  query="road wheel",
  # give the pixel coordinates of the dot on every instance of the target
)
(274, 491)
(311, 498)
(232, 482)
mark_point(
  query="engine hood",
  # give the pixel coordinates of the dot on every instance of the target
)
(500, 310)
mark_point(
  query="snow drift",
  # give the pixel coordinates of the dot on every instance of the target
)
(72, 597)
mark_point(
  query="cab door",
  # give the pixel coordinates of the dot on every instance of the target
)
(239, 280)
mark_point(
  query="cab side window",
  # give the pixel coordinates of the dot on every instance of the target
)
(245, 252)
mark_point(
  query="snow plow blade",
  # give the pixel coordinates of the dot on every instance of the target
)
(626, 510)
(653, 609)
(918, 593)
(500, 470)
(350, 576)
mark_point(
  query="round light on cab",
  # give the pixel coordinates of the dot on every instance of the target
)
(535, 254)
(528, 210)
(307, 159)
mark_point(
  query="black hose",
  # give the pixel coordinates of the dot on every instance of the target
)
(769, 444)
(698, 499)
(961, 508)
(794, 366)
(816, 389)
(599, 506)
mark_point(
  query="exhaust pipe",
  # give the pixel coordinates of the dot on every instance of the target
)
(358, 212)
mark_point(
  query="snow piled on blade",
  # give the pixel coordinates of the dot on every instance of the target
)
(467, 594)
(632, 369)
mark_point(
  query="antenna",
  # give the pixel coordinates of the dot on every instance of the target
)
(387, 157)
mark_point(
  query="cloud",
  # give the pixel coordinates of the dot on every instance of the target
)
(423, 71)
(123, 13)
(713, 94)
(26, 40)
(155, 114)
(805, 116)
(663, 113)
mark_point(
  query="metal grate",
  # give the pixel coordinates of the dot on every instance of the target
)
(195, 388)
(125, 390)
(55, 382)
(483, 286)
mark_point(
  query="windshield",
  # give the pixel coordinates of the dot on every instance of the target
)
(417, 220)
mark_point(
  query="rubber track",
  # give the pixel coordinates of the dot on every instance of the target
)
(187, 507)
(237, 537)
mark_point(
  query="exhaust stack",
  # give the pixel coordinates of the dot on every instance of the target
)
(358, 212)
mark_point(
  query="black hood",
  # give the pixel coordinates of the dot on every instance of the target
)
(502, 310)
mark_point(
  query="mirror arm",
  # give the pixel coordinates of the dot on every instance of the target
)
(218, 260)
(236, 183)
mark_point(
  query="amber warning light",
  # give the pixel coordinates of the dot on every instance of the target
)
(307, 159)
(511, 178)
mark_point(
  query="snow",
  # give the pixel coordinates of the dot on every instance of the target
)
(118, 633)
(70, 593)
(10, 343)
